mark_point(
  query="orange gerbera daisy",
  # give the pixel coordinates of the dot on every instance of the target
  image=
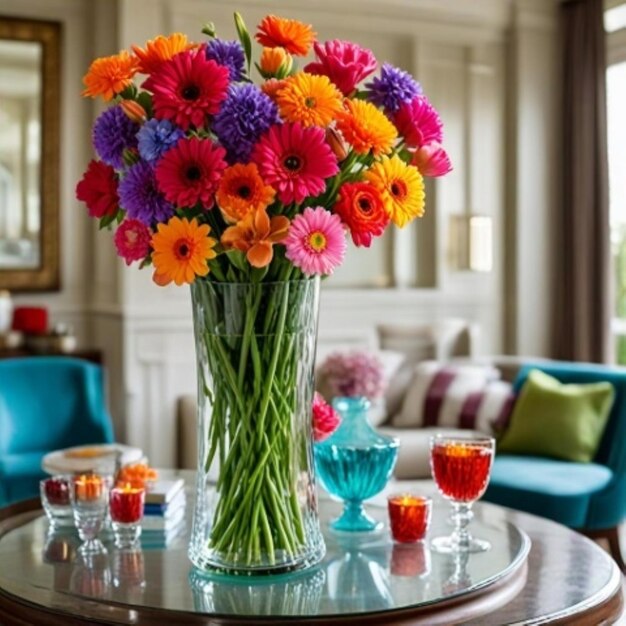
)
(296, 37)
(255, 235)
(275, 60)
(366, 128)
(160, 49)
(242, 191)
(401, 187)
(271, 87)
(310, 100)
(181, 251)
(108, 76)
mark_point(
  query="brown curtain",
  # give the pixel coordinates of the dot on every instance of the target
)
(582, 296)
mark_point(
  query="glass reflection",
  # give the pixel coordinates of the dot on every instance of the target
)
(129, 574)
(360, 564)
(460, 579)
(91, 576)
(20, 154)
(410, 559)
(288, 594)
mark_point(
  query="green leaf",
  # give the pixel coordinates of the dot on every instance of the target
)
(238, 259)
(107, 220)
(209, 29)
(129, 93)
(258, 273)
(145, 100)
(244, 37)
(130, 157)
(120, 216)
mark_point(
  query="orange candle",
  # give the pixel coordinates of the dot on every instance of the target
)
(88, 487)
(409, 517)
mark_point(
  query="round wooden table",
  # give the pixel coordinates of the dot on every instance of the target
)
(563, 579)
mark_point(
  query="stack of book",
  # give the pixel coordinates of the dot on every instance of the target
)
(164, 513)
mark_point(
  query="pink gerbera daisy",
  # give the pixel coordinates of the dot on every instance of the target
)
(418, 122)
(295, 161)
(132, 240)
(316, 242)
(187, 88)
(190, 172)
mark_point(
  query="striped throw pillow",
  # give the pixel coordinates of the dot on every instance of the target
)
(456, 396)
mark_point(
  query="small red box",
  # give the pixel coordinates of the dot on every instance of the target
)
(31, 320)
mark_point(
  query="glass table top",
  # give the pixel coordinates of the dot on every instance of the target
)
(362, 572)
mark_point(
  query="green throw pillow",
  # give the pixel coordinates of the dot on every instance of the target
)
(558, 420)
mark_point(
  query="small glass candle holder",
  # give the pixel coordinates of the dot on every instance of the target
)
(89, 496)
(409, 517)
(55, 499)
(126, 509)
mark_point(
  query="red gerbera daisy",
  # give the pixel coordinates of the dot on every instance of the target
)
(187, 88)
(98, 190)
(295, 161)
(190, 172)
(361, 209)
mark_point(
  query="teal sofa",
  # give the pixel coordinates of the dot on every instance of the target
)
(590, 497)
(46, 403)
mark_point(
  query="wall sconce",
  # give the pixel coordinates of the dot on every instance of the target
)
(471, 246)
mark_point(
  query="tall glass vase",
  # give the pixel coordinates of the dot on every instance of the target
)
(256, 504)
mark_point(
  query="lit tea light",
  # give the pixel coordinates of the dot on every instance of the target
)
(409, 517)
(88, 487)
(126, 504)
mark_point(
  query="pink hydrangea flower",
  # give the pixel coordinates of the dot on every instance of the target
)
(419, 123)
(432, 160)
(316, 242)
(325, 419)
(132, 240)
(344, 62)
(356, 373)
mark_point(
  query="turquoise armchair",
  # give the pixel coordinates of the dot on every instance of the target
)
(46, 403)
(590, 497)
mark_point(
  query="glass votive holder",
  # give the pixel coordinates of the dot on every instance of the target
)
(126, 509)
(409, 517)
(89, 497)
(55, 499)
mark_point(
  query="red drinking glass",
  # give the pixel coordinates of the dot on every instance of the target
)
(461, 467)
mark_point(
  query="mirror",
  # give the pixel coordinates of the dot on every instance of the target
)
(29, 154)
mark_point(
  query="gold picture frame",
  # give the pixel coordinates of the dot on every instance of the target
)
(45, 277)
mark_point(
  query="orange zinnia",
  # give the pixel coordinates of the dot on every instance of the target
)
(181, 251)
(255, 235)
(160, 49)
(308, 99)
(296, 37)
(366, 128)
(108, 76)
(242, 191)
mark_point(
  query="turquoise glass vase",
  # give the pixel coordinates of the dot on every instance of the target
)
(355, 463)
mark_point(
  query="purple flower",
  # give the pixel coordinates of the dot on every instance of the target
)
(229, 54)
(393, 88)
(245, 115)
(140, 196)
(156, 137)
(112, 133)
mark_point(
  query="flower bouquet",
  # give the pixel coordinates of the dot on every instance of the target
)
(248, 192)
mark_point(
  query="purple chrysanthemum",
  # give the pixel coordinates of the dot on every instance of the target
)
(245, 115)
(229, 54)
(156, 137)
(392, 88)
(113, 132)
(140, 196)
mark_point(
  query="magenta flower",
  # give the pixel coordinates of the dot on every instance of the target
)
(344, 62)
(432, 160)
(132, 240)
(316, 242)
(419, 123)
(325, 419)
(296, 161)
